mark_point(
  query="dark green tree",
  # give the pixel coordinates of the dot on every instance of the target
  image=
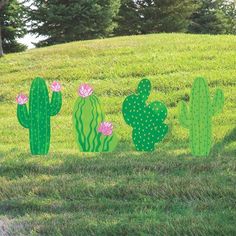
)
(165, 15)
(2, 5)
(128, 19)
(229, 8)
(12, 26)
(65, 21)
(154, 16)
(213, 17)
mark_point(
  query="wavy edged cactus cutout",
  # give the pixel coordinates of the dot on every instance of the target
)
(37, 119)
(147, 120)
(92, 133)
(198, 118)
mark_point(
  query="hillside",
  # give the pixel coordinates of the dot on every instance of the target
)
(167, 192)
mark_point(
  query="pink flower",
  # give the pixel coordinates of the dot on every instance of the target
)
(85, 90)
(55, 86)
(21, 99)
(105, 128)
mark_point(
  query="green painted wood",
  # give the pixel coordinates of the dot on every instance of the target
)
(87, 116)
(199, 117)
(147, 120)
(38, 118)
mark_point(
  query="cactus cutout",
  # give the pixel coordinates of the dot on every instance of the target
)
(37, 119)
(198, 119)
(146, 120)
(93, 134)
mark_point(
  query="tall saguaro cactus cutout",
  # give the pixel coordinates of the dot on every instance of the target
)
(37, 119)
(93, 134)
(198, 118)
(147, 120)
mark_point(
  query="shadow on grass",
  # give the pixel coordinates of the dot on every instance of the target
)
(59, 183)
(16, 164)
(220, 146)
(168, 158)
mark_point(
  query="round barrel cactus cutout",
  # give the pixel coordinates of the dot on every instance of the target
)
(93, 133)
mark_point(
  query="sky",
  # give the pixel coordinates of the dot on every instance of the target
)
(29, 39)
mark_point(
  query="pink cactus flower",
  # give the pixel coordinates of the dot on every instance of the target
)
(106, 128)
(85, 90)
(55, 86)
(21, 99)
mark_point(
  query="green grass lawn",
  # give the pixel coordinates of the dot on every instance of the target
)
(167, 192)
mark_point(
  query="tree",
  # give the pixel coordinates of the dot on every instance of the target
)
(229, 8)
(154, 16)
(128, 19)
(213, 17)
(11, 26)
(165, 15)
(65, 21)
(2, 4)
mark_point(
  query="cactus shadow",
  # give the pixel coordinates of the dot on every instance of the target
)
(7, 153)
(17, 164)
(124, 147)
(2, 154)
(58, 163)
(219, 146)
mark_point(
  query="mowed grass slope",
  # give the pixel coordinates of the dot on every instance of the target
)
(167, 192)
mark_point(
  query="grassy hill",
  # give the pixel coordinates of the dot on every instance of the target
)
(167, 192)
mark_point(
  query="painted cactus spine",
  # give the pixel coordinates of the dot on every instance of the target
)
(147, 120)
(198, 119)
(92, 133)
(37, 120)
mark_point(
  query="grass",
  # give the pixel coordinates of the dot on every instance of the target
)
(167, 192)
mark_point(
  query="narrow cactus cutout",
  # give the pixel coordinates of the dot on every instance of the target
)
(198, 118)
(147, 120)
(37, 119)
(93, 134)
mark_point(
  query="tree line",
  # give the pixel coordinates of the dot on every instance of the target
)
(63, 21)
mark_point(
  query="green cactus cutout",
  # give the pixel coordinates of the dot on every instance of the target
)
(146, 120)
(88, 119)
(198, 119)
(37, 120)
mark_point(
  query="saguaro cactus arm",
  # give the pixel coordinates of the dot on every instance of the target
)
(56, 103)
(218, 102)
(184, 115)
(23, 115)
